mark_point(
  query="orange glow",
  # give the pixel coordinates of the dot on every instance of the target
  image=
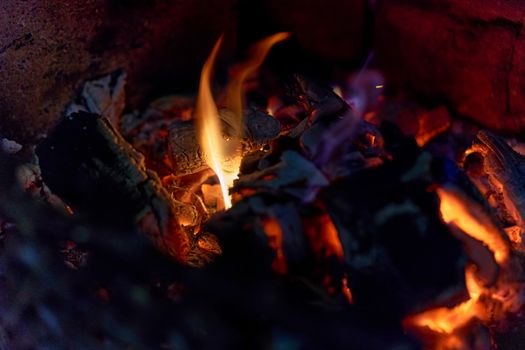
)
(346, 290)
(447, 320)
(212, 196)
(234, 93)
(274, 103)
(338, 91)
(213, 143)
(486, 303)
(273, 231)
(515, 235)
(455, 210)
(431, 124)
(323, 236)
(222, 154)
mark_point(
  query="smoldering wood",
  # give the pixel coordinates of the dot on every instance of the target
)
(321, 101)
(186, 153)
(386, 219)
(74, 311)
(117, 253)
(388, 226)
(500, 175)
(321, 104)
(293, 175)
(88, 164)
(332, 135)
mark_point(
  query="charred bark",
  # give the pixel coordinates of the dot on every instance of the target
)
(88, 164)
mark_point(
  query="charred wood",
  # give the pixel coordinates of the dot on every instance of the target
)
(187, 156)
(99, 174)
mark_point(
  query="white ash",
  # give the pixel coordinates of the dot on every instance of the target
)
(10, 146)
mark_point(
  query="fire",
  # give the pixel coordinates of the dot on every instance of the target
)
(209, 128)
(447, 320)
(223, 154)
(234, 93)
(486, 303)
(456, 211)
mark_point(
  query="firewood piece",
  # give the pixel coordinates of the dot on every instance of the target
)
(184, 149)
(504, 170)
(323, 106)
(388, 223)
(294, 175)
(320, 101)
(88, 163)
(332, 130)
(250, 213)
(186, 153)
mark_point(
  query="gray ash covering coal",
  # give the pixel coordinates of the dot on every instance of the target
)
(334, 240)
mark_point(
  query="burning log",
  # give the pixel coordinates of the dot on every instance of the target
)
(358, 252)
(499, 172)
(95, 171)
(185, 151)
(494, 282)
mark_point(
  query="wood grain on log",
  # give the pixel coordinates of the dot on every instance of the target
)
(187, 156)
(88, 163)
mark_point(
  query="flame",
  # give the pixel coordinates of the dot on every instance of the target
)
(234, 93)
(485, 303)
(210, 131)
(338, 91)
(454, 210)
(223, 155)
(447, 320)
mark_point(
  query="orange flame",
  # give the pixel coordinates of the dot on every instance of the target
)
(456, 211)
(447, 320)
(502, 295)
(210, 132)
(234, 94)
(223, 155)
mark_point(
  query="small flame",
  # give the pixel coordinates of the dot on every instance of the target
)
(447, 320)
(338, 91)
(234, 94)
(210, 131)
(502, 295)
(223, 155)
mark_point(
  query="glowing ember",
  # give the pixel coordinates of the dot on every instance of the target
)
(486, 303)
(447, 320)
(346, 290)
(274, 232)
(456, 211)
(431, 124)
